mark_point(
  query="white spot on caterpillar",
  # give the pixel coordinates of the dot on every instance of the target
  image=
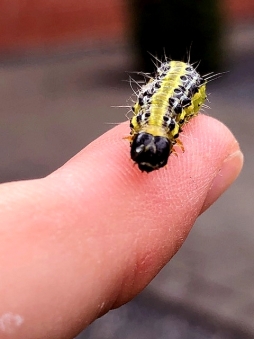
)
(9, 322)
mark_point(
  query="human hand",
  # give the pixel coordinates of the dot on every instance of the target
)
(93, 234)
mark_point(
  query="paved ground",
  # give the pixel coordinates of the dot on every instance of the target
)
(52, 108)
(148, 317)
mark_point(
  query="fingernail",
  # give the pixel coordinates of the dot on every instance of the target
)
(231, 168)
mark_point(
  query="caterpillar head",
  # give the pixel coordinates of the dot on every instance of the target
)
(150, 152)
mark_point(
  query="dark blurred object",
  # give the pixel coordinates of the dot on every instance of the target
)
(177, 28)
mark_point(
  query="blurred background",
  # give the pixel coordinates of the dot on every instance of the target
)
(63, 64)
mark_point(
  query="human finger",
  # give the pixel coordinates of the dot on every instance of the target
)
(95, 232)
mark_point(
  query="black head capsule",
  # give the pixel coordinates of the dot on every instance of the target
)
(150, 152)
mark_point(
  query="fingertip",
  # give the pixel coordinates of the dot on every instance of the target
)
(106, 164)
(157, 209)
(102, 177)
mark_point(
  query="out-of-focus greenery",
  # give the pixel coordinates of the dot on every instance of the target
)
(176, 28)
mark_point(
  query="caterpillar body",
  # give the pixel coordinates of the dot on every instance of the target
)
(163, 106)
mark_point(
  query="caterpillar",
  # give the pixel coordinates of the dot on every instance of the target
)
(163, 105)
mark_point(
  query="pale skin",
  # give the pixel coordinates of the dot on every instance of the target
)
(93, 234)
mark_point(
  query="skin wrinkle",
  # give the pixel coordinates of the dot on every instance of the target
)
(128, 277)
(167, 197)
(201, 190)
(140, 269)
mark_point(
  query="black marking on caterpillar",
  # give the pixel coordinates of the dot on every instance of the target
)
(164, 104)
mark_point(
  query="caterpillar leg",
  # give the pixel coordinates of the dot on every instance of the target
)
(128, 137)
(180, 144)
